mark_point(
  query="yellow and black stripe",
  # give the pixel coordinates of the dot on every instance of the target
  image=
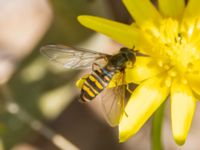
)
(95, 83)
(104, 74)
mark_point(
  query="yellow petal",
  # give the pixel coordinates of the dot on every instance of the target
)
(192, 9)
(142, 11)
(144, 101)
(171, 8)
(125, 34)
(144, 68)
(183, 105)
(194, 81)
(197, 96)
(191, 13)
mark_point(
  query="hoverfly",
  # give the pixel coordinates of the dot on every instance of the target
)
(100, 77)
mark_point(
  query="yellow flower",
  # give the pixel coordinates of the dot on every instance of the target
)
(170, 36)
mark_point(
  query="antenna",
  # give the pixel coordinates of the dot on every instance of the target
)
(133, 47)
(137, 53)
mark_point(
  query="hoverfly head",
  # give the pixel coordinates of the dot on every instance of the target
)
(129, 54)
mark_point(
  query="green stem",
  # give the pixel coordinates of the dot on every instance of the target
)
(157, 128)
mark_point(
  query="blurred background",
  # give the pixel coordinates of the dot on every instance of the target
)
(39, 108)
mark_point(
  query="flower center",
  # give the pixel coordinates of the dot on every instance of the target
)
(176, 48)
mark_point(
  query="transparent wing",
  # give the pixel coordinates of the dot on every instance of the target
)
(113, 103)
(72, 58)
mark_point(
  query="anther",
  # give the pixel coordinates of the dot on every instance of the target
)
(172, 73)
(168, 81)
(166, 67)
(184, 81)
(160, 63)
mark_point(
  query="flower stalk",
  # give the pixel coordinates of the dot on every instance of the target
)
(156, 132)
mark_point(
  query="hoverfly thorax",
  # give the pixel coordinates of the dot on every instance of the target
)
(120, 60)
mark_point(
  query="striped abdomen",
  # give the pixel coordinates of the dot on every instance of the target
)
(95, 83)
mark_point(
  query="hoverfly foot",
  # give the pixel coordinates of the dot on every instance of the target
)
(125, 113)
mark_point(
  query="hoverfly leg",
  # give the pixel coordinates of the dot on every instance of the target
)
(125, 113)
(94, 65)
(97, 65)
(129, 89)
(106, 58)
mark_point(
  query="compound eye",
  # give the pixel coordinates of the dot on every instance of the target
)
(124, 49)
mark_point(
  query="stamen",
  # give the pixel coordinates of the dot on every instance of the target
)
(189, 67)
(180, 36)
(168, 81)
(184, 81)
(172, 73)
(166, 67)
(190, 31)
(160, 63)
